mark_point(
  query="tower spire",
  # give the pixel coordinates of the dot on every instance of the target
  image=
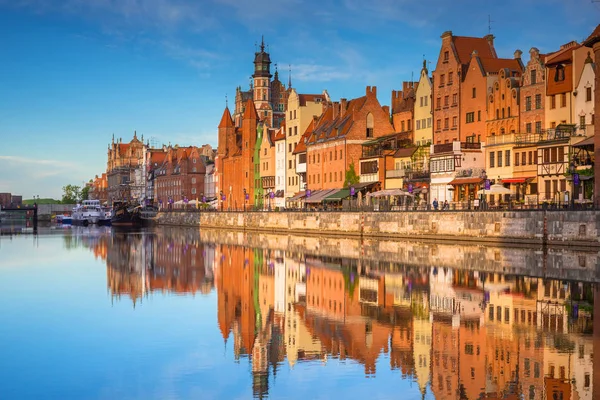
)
(290, 76)
(262, 44)
(226, 101)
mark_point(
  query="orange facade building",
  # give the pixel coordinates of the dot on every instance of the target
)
(235, 159)
(448, 91)
(335, 139)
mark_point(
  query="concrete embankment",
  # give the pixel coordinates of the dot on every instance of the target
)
(576, 228)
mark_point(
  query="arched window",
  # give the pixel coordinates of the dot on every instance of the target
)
(370, 125)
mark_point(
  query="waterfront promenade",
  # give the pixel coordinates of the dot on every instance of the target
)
(529, 227)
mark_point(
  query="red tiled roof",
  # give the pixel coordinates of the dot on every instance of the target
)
(562, 55)
(593, 38)
(250, 112)
(464, 46)
(301, 146)
(303, 98)
(226, 120)
(280, 134)
(494, 65)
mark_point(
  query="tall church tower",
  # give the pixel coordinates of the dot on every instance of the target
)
(262, 85)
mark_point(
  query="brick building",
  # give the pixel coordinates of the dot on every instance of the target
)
(181, 176)
(448, 91)
(269, 96)
(403, 108)
(238, 159)
(533, 93)
(99, 188)
(337, 137)
(124, 159)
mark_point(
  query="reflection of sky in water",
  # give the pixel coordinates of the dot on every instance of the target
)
(63, 337)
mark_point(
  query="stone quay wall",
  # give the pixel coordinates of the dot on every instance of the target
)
(577, 228)
(559, 262)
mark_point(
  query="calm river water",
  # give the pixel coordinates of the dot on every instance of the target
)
(173, 313)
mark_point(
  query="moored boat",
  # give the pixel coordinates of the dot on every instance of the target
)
(126, 214)
(87, 213)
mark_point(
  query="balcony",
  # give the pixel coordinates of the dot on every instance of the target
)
(455, 147)
(368, 178)
(501, 139)
(301, 168)
(395, 173)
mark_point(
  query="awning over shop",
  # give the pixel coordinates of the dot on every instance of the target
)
(340, 195)
(516, 180)
(465, 181)
(363, 185)
(297, 196)
(318, 196)
(586, 142)
(279, 193)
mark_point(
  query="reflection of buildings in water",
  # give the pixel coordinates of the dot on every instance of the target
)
(138, 264)
(422, 341)
(300, 344)
(456, 295)
(465, 333)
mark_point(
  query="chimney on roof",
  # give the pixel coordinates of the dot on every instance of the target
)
(518, 53)
(343, 105)
(446, 36)
(490, 39)
(396, 99)
(336, 109)
(567, 45)
(475, 53)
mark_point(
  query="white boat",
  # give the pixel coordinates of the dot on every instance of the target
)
(89, 212)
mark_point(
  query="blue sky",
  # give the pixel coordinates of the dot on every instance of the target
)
(74, 72)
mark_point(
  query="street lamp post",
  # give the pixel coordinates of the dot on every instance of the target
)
(575, 183)
(245, 198)
(230, 189)
(221, 197)
(485, 184)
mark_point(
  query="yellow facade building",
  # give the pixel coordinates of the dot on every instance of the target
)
(301, 109)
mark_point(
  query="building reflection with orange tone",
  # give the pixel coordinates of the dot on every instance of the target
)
(139, 264)
(458, 334)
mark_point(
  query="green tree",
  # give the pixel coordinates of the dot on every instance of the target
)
(71, 194)
(85, 192)
(351, 177)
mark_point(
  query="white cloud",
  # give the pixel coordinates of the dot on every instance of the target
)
(44, 177)
(25, 160)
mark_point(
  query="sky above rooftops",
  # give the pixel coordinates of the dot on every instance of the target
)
(75, 72)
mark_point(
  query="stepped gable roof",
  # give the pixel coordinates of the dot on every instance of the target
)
(494, 65)
(226, 120)
(593, 38)
(464, 46)
(250, 112)
(304, 98)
